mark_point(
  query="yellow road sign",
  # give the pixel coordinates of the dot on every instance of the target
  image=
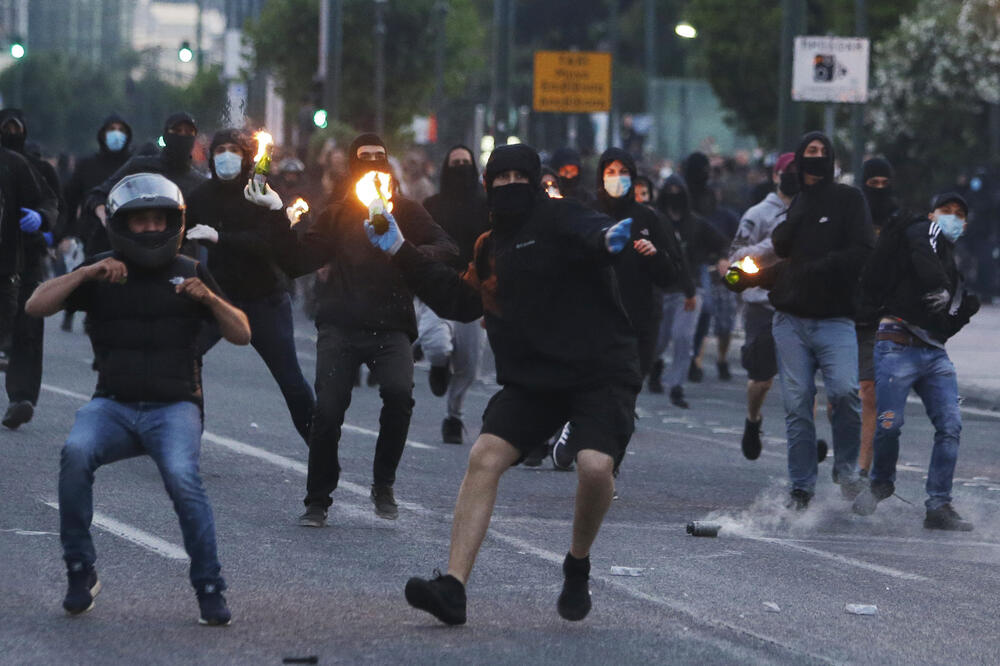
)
(572, 81)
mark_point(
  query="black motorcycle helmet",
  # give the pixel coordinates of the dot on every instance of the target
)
(143, 191)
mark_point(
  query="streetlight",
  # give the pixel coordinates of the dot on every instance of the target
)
(685, 30)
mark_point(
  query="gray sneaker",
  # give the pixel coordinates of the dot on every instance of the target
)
(315, 516)
(385, 503)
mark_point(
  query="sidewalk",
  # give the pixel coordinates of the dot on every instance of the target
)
(975, 351)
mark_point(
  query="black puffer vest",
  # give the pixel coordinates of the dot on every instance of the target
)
(144, 336)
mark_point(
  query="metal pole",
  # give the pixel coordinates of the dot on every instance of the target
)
(199, 53)
(829, 120)
(380, 66)
(790, 114)
(858, 110)
(614, 135)
(652, 139)
(333, 29)
(441, 11)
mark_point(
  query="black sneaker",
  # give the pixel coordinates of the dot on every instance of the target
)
(724, 373)
(441, 596)
(439, 377)
(574, 600)
(562, 457)
(315, 516)
(946, 518)
(821, 450)
(695, 373)
(536, 456)
(451, 430)
(868, 499)
(385, 503)
(677, 397)
(850, 489)
(655, 375)
(83, 587)
(751, 439)
(214, 611)
(798, 499)
(18, 413)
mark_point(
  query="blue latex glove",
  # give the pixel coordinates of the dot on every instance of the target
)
(618, 236)
(391, 240)
(49, 240)
(31, 221)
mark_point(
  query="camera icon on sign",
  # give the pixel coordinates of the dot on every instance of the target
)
(826, 68)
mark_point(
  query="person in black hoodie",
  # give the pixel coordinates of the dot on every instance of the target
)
(701, 245)
(452, 347)
(364, 315)
(825, 240)
(23, 380)
(539, 278)
(234, 223)
(114, 141)
(926, 304)
(568, 166)
(174, 162)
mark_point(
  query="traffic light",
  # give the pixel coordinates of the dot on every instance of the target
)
(319, 118)
(17, 50)
(184, 53)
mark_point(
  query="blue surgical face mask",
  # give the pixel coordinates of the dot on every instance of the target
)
(227, 165)
(951, 226)
(617, 186)
(115, 140)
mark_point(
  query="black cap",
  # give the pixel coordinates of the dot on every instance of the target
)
(949, 197)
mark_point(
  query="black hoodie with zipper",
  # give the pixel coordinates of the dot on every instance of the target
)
(460, 207)
(637, 274)
(90, 172)
(825, 240)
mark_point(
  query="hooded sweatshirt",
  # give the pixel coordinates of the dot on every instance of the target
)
(825, 239)
(637, 274)
(700, 242)
(572, 188)
(460, 207)
(50, 204)
(542, 280)
(242, 261)
(90, 172)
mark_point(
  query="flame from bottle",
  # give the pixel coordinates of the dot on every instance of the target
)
(264, 139)
(748, 266)
(553, 192)
(374, 186)
(298, 208)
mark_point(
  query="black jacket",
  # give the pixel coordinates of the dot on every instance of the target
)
(552, 312)
(363, 288)
(825, 240)
(145, 335)
(90, 172)
(637, 274)
(460, 208)
(929, 267)
(19, 188)
(701, 243)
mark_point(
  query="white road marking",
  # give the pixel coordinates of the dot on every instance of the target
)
(842, 559)
(135, 535)
(66, 392)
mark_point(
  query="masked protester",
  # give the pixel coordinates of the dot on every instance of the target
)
(146, 307)
(114, 141)
(569, 168)
(364, 315)
(174, 162)
(825, 240)
(453, 348)
(682, 301)
(925, 305)
(234, 223)
(37, 226)
(538, 278)
(753, 240)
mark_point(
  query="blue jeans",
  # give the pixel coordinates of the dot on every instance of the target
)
(106, 431)
(831, 346)
(929, 372)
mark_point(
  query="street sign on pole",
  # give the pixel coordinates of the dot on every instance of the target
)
(572, 81)
(830, 69)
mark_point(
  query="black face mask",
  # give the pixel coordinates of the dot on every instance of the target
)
(816, 166)
(177, 148)
(512, 202)
(361, 167)
(459, 180)
(789, 184)
(676, 202)
(567, 185)
(12, 141)
(879, 201)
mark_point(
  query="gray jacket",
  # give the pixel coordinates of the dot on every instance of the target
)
(753, 239)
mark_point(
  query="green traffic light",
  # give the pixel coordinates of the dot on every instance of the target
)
(17, 51)
(184, 53)
(319, 118)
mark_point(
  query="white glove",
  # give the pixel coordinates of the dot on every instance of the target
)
(268, 198)
(203, 232)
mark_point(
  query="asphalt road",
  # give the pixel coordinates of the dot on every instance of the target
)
(772, 588)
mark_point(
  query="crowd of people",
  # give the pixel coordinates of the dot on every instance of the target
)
(580, 287)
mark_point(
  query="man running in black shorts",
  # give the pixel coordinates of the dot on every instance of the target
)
(540, 278)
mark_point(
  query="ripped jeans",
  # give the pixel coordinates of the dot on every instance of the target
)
(930, 373)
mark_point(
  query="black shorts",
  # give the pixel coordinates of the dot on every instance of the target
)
(602, 419)
(866, 353)
(758, 353)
